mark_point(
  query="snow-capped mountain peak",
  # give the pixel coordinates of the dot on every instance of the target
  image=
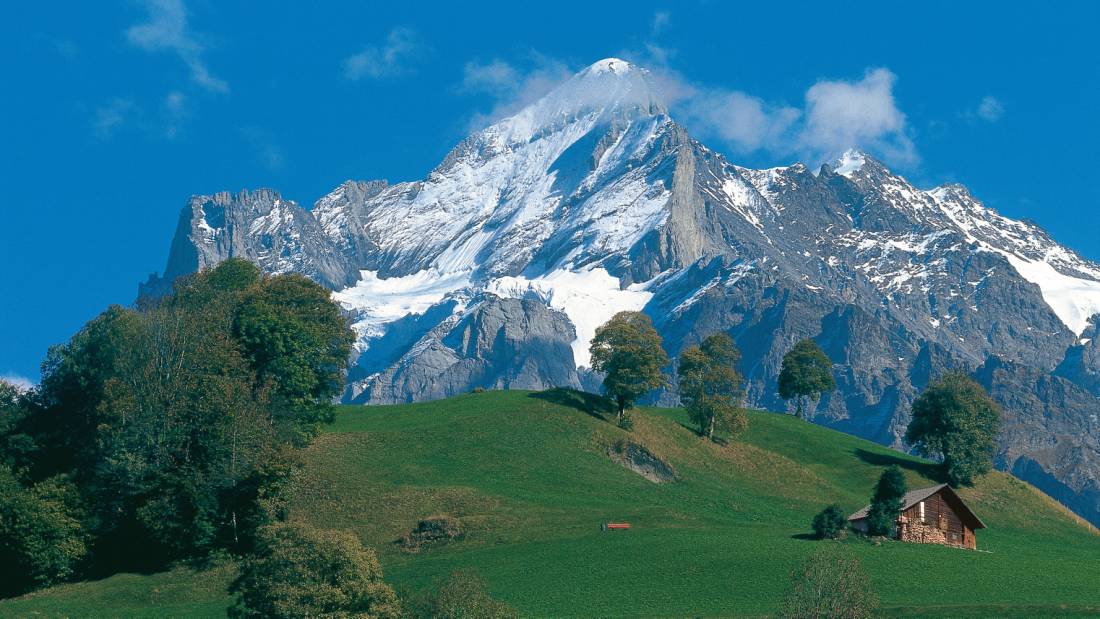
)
(849, 163)
(611, 90)
(496, 268)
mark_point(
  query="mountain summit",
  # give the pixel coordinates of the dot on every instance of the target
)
(496, 268)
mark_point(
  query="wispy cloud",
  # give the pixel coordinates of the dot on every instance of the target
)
(110, 116)
(263, 144)
(20, 382)
(163, 120)
(174, 111)
(660, 22)
(392, 57)
(990, 109)
(835, 115)
(511, 87)
(166, 29)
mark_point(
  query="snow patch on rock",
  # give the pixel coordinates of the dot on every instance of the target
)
(589, 298)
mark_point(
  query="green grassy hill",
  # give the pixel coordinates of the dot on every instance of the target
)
(529, 475)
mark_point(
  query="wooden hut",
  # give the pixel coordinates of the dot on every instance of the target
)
(935, 515)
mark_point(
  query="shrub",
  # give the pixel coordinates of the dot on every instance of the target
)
(830, 523)
(829, 585)
(430, 530)
(298, 571)
(41, 536)
(463, 596)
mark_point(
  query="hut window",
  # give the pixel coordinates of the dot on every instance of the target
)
(922, 512)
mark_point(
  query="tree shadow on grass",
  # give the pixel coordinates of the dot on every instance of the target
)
(590, 403)
(806, 537)
(930, 470)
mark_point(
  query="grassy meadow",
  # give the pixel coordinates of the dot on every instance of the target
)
(529, 476)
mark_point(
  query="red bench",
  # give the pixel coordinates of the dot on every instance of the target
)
(616, 526)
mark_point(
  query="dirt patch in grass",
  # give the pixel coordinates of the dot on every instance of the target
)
(642, 461)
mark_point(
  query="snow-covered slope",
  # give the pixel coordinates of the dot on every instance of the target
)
(497, 267)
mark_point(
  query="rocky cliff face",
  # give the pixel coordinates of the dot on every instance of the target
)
(495, 270)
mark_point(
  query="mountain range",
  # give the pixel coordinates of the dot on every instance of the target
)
(496, 268)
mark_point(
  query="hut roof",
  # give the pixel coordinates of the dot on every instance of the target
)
(916, 496)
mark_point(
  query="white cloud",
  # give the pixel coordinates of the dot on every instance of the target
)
(990, 109)
(20, 382)
(841, 115)
(509, 87)
(390, 58)
(166, 30)
(110, 116)
(741, 120)
(174, 109)
(835, 115)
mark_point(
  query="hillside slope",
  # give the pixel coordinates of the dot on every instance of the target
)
(529, 475)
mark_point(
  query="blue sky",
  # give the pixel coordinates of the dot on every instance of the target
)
(113, 113)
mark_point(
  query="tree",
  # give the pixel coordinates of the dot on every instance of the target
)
(956, 420)
(177, 421)
(829, 584)
(887, 502)
(830, 523)
(627, 349)
(42, 538)
(297, 571)
(710, 385)
(463, 596)
(806, 373)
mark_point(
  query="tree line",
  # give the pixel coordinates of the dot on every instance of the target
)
(167, 432)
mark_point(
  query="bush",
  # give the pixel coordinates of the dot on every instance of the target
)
(829, 585)
(830, 523)
(626, 423)
(298, 571)
(432, 529)
(463, 596)
(42, 538)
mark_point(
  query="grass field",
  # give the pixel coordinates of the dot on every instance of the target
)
(529, 476)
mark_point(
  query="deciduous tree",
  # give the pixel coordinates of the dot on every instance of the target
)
(710, 385)
(956, 420)
(627, 349)
(806, 373)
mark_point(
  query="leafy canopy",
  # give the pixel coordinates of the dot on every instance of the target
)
(806, 373)
(176, 421)
(627, 349)
(42, 537)
(711, 387)
(956, 420)
(298, 571)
